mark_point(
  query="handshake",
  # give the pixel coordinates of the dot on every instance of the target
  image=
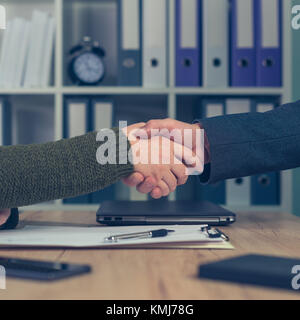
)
(164, 153)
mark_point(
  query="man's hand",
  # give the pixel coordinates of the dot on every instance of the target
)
(185, 134)
(162, 126)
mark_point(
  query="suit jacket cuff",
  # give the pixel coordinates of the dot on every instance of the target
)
(228, 144)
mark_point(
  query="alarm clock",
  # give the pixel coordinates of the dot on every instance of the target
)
(86, 66)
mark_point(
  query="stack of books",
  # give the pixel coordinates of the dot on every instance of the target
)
(27, 52)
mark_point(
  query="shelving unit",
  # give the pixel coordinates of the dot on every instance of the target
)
(62, 10)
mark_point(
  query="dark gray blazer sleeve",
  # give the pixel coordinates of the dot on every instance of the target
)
(253, 143)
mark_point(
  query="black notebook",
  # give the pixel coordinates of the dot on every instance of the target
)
(261, 270)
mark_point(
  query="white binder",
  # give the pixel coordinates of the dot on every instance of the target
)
(264, 107)
(130, 25)
(155, 43)
(245, 35)
(77, 117)
(238, 191)
(215, 43)
(270, 21)
(188, 25)
(102, 114)
(214, 109)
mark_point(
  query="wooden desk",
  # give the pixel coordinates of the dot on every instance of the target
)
(157, 274)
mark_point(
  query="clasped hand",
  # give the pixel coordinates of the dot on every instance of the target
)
(164, 154)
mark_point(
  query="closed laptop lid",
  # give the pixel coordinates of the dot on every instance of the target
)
(161, 209)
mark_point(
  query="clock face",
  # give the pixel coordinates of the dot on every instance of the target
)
(89, 68)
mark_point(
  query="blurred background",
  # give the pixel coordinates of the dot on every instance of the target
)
(72, 66)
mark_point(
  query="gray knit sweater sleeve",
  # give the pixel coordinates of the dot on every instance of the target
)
(36, 173)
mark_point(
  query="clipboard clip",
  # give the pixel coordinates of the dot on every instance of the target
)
(214, 233)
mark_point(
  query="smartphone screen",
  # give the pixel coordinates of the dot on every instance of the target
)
(41, 270)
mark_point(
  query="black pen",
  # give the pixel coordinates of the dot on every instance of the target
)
(139, 235)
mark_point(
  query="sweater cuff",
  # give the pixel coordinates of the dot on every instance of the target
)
(123, 166)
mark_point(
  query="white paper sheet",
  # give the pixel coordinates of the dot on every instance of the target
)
(82, 237)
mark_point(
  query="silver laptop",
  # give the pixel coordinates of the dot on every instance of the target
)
(163, 213)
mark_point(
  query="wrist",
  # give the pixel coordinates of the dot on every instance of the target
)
(206, 143)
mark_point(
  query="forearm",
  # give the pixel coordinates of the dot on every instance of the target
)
(247, 144)
(36, 173)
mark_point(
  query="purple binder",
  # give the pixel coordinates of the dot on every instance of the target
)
(269, 59)
(188, 60)
(243, 59)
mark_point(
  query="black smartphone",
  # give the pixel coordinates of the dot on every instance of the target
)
(41, 270)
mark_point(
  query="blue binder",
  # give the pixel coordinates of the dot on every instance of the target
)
(215, 43)
(129, 42)
(265, 188)
(269, 43)
(188, 43)
(215, 193)
(6, 123)
(76, 122)
(243, 51)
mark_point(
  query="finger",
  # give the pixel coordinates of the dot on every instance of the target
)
(170, 179)
(134, 179)
(164, 190)
(147, 186)
(158, 124)
(156, 193)
(180, 173)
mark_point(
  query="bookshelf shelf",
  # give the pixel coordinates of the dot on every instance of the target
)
(67, 12)
(140, 90)
(228, 91)
(113, 90)
(28, 91)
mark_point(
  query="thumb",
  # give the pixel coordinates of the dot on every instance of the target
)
(130, 130)
(194, 162)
